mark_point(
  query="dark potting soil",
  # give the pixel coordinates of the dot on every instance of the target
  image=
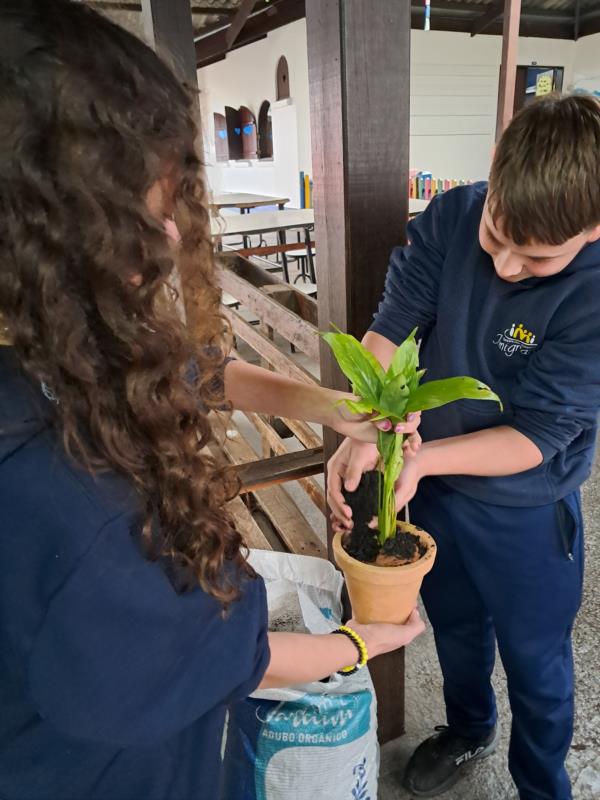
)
(405, 545)
(362, 542)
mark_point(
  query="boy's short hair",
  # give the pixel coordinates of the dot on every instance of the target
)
(545, 179)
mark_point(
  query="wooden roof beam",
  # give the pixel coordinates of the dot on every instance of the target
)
(218, 12)
(129, 5)
(493, 13)
(589, 23)
(234, 30)
(278, 13)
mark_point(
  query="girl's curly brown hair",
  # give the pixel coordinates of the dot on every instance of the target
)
(90, 120)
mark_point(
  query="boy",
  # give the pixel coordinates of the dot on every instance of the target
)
(503, 283)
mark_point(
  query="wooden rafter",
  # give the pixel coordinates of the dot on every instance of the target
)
(259, 24)
(216, 10)
(128, 5)
(589, 22)
(447, 15)
(460, 17)
(238, 22)
(493, 13)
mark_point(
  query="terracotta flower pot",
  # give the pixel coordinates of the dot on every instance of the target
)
(384, 594)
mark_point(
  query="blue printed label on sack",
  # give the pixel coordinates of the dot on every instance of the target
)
(360, 790)
(311, 721)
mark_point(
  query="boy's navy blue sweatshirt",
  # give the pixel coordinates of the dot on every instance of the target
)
(112, 685)
(536, 343)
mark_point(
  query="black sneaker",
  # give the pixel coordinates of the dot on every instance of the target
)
(437, 762)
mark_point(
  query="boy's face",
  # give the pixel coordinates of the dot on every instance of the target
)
(514, 263)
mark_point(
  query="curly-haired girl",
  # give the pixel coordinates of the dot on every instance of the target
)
(129, 617)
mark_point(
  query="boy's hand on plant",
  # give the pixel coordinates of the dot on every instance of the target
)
(352, 458)
(412, 443)
(355, 426)
(408, 482)
(344, 469)
(384, 637)
(361, 427)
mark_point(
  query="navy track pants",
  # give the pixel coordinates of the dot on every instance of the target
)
(509, 575)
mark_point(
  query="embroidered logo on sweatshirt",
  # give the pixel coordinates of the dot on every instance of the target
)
(516, 339)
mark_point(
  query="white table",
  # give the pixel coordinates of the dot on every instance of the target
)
(245, 201)
(263, 222)
(266, 222)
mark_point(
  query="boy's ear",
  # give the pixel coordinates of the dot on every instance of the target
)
(594, 234)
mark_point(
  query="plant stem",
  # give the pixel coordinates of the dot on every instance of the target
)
(390, 447)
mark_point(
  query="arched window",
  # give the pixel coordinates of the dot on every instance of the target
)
(249, 133)
(283, 79)
(234, 133)
(221, 143)
(265, 131)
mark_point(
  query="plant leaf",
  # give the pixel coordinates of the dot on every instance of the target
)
(394, 396)
(437, 393)
(358, 406)
(359, 365)
(415, 379)
(406, 358)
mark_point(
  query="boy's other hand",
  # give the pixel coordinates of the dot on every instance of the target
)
(344, 470)
(351, 459)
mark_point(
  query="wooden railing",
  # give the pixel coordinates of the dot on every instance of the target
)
(286, 311)
(279, 309)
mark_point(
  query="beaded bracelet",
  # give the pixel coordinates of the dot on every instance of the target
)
(363, 655)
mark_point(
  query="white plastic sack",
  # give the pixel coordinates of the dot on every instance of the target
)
(313, 741)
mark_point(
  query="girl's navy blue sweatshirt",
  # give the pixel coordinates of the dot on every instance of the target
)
(112, 685)
(536, 343)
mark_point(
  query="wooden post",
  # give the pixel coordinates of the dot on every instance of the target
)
(508, 67)
(359, 76)
(168, 29)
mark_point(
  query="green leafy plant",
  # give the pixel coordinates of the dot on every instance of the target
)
(393, 394)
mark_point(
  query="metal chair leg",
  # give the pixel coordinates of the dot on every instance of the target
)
(311, 263)
(284, 261)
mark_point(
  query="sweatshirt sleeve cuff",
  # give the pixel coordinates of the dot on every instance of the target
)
(395, 334)
(547, 449)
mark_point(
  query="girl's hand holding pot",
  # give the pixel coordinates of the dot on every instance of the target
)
(384, 637)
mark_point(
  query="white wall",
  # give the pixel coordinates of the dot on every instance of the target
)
(586, 69)
(454, 88)
(454, 93)
(247, 77)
